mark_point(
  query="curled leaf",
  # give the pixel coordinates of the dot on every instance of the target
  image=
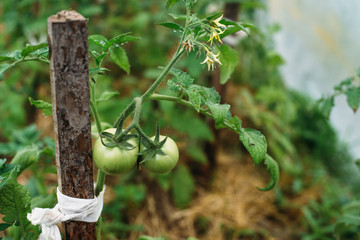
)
(273, 168)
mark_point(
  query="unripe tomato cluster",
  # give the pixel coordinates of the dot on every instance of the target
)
(114, 160)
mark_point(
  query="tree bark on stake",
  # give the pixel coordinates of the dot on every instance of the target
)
(69, 74)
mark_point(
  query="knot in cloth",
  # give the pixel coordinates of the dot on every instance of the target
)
(67, 208)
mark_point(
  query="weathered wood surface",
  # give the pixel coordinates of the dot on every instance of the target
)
(69, 73)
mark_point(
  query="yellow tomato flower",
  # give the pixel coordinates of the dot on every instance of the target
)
(215, 34)
(217, 22)
(210, 59)
(216, 30)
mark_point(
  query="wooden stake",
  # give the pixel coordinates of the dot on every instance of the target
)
(69, 73)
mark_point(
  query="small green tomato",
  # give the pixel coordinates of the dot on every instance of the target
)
(161, 164)
(94, 131)
(114, 160)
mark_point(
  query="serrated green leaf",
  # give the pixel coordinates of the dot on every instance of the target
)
(26, 157)
(4, 226)
(178, 16)
(194, 97)
(236, 122)
(98, 40)
(172, 86)
(10, 56)
(182, 79)
(326, 105)
(118, 40)
(255, 142)
(170, 3)
(106, 95)
(97, 70)
(174, 26)
(218, 111)
(14, 202)
(210, 95)
(232, 27)
(2, 162)
(353, 98)
(273, 168)
(214, 16)
(32, 48)
(6, 169)
(229, 59)
(40, 104)
(350, 219)
(119, 56)
(183, 186)
(3, 68)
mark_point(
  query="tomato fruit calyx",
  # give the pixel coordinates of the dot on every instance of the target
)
(162, 158)
(114, 157)
(108, 139)
(151, 150)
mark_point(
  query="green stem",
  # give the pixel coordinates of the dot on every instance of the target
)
(138, 103)
(101, 175)
(94, 110)
(185, 29)
(153, 87)
(99, 187)
(100, 181)
(127, 111)
(159, 97)
(30, 59)
(143, 135)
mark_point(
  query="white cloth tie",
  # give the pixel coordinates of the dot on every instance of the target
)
(67, 208)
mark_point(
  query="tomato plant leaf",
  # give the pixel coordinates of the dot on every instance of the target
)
(353, 98)
(178, 16)
(255, 142)
(183, 186)
(219, 111)
(4, 226)
(326, 105)
(236, 122)
(194, 97)
(182, 79)
(32, 48)
(14, 201)
(118, 40)
(173, 26)
(172, 86)
(40, 104)
(229, 59)
(106, 95)
(5, 169)
(210, 95)
(233, 27)
(10, 56)
(3, 68)
(214, 16)
(98, 40)
(170, 3)
(24, 158)
(97, 70)
(119, 56)
(273, 168)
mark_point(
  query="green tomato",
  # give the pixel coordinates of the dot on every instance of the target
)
(94, 131)
(163, 163)
(114, 160)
